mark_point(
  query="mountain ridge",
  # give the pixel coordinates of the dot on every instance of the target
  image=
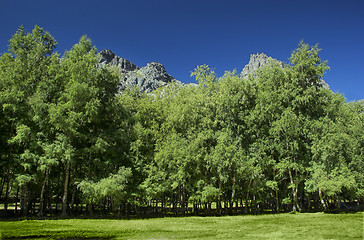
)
(152, 76)
(146, 79)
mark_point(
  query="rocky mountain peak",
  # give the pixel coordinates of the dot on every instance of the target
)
(260, 60)
(256, 61)
(155, 70)
(109, 58)
(146, 79)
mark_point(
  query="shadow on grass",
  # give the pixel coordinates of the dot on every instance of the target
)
(61, 235)
(53, 237)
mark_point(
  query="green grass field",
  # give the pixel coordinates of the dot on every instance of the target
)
(277, 226)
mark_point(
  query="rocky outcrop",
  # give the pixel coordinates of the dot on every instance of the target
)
(146, 79)
(257, 61)
(361, 101)
(261, 60)
(108, 57)
(154, 75)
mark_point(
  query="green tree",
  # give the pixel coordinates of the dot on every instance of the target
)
(25, 72)
(288, 99)
(83, 113)
(337, 151)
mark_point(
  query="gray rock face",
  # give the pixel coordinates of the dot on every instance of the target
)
(108, 57)
(260, 60)
(361, 101)
(146, 79)
(325, 84)
(257, 61)
(156, 71)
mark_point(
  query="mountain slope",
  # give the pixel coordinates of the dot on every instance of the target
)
(146, 79)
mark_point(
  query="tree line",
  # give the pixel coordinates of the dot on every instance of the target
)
(72, 144)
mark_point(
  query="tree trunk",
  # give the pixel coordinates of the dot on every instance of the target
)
(218, 200)
(41, 204)
(247, 193)
(50, 199)
(16, 200)
(277, 201)
(163, 203)
(295, 206)
(218, 205)
(73, 199)
(276, 192)
(90, 209)
(183, 200)
(241, 204)
(7, 191)
(2, 183)
(65, 191)
(232, 195)
(322, 200)
(24, 200)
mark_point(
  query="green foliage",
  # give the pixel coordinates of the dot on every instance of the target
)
(308, 68)
(115, 186)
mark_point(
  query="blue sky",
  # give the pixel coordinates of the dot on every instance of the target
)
(182, 34)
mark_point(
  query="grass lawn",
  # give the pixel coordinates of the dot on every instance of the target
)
(275, 226)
